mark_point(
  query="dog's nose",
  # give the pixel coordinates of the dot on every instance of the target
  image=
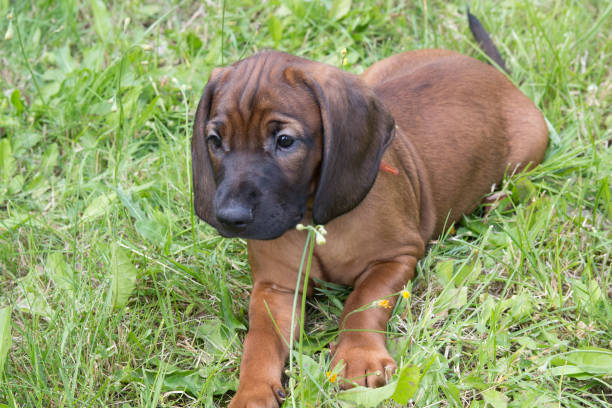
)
(236, 217)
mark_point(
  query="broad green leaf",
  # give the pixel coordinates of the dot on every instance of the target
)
(368, 397)
(521, 306)
(407, 384)
(296, 7)
(212, 51)
(467, 273)
(98, 206)
(502, 339)
(33, 299)
(474, 381)
(7, 162)
(132, 206)
(486, 351)
(524, 190)
(124, 276)
(65, 60)
(451, 298)
(497, 240)
(444, 271)
(452, 394)
(5, 336)
(10, 31)
(532, 396)
(339, 9)
(103, 23)
(146, 113)
(276, 29)
(60, 272)
(213, 332)
(193, 382)
(588, 295)
(152, 231)
(226, 306)
(16, 101)
(179, 380)
(311, 376)
(486, 310)
(35, 39)
(184, 380)
(193, 42)
(527, 342)
(551, 338)
(15, 185)
(150, 10)
(570, 371)
(48, 91)
(27, 140)
(8, 121)
(93, 59)
(604, 196)
(594, 361)
(495, 398)
(50, 159)
(555, 139)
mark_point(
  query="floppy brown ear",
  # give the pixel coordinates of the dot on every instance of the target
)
(204, 185)
(357, 128)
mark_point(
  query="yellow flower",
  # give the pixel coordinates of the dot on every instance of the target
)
(405, 294)
(332, 377)
(384, 303)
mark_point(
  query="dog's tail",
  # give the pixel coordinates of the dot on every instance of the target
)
(485, 42)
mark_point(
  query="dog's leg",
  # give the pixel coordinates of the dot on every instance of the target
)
(265, 351)
(361, 342)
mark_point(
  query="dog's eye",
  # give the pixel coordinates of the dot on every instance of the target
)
(214, 140)
(284, 141)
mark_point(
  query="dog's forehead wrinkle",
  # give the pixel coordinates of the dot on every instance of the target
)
(255, 87)
(251, 128)
(249, 97)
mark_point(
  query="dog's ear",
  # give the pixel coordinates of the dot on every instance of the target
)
(357, 128)
(204, 185)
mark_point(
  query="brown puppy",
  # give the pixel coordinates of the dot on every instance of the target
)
(280, 140)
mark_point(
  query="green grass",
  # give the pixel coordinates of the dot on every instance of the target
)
(118, 296)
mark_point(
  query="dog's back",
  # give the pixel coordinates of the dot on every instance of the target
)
(465, 119)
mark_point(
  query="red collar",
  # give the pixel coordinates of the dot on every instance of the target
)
(388, 169)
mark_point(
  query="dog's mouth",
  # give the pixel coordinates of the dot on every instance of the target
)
(270, 228)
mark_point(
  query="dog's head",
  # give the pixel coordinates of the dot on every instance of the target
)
(275, 132)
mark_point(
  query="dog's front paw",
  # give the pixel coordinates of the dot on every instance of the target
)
(365, 364)
(258, 395)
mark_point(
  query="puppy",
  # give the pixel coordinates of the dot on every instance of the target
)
(385, 160)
